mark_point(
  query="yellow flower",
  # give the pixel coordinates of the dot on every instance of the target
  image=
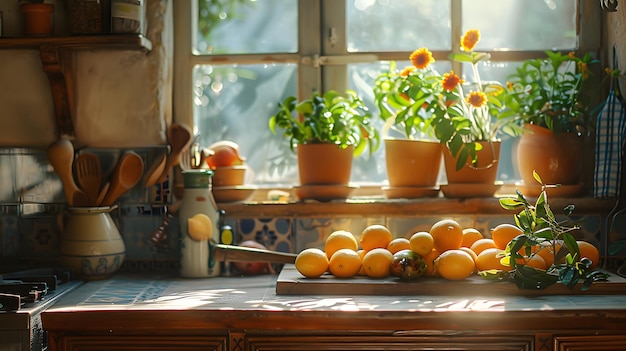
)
(421, 58)
(450, 81)
(407, 70)
(470, 39)
(476, 98)
(582, 66)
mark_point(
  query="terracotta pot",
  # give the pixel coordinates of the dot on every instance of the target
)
(324, 164)
(38, 19)
(229, 175)
(484, 172)
(558, 159)
(412, 163)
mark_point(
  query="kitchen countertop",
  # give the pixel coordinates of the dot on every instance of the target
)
(130, 302)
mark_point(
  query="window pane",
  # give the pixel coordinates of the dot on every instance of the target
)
(234, 102)
(397, 25)
(522, 24)
(247, 26)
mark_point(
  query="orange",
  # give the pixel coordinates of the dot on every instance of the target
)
(362, 271)
(481, 244)
(590, 251)
(312, 262)
(430, 263)
(470, 252)
(377, 263)
(422, 243)
(502, 234)
(344, 263)
(375, 236)
(455, 264)
(398, 244)
(535, 261)
(340, 239)
(447, 234)
(547, 250)
(470, 235)
(488, 259)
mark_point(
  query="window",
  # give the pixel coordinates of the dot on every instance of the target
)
(236, 59)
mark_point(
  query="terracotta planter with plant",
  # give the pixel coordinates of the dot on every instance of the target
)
(340, 122)
(38, 18)
(413, 157)
(551, 98)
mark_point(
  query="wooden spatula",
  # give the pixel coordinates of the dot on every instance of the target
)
(126, 175)
(61, 157)
(89, 175)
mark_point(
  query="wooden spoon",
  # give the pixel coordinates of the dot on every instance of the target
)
(89, 175)
(61, 157)
(156, 170)
(126, 175)
(179, 139)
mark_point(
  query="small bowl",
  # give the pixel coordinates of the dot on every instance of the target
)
(229, 176)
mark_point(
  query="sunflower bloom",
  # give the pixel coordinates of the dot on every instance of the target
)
(582, 66)
(450, 81)
(421, 58)
(470, 39)
(407, 71)
(476, 99)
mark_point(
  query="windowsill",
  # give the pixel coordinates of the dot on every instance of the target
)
(369, 201)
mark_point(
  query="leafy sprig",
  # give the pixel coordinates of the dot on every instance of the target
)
(542, 231)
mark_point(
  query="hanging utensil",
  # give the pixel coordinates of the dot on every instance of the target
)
(156, 169)
(89, 175)
(126, 175)
(179, 138)
(61, 157)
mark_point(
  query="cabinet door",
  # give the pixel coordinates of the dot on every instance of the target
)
(590, 342)
(395, 343)
(140, 343)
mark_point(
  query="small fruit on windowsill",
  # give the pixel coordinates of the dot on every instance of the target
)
(224, 153)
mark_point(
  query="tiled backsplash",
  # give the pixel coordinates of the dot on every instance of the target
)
(32, 210)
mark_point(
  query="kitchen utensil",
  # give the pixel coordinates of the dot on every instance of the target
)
(89, 175)
(186, 160)
(103, 192)
(156, 169)
(61, 157)
(223, 252)
(179, 138)
(127, 174)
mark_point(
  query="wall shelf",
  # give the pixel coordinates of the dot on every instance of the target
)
(51, 51)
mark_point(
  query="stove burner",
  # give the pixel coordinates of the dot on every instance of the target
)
(10, 302)
(29, 286)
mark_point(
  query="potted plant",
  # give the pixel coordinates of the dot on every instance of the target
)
(413, 156)
(38, 17)
(548, 95)
(327, 131)
(465, 124)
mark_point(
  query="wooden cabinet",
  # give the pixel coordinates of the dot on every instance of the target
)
(140, 343)
(56, 64)
(590, 342)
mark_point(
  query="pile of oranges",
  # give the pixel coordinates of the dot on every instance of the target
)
(450, 251)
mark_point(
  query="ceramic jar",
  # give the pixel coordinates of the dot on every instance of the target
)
(91, 243)
(196, 259)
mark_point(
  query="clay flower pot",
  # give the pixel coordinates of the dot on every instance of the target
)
(412, 163)
(558, 159)
(484, 172)
(324, 164)
(229, 176)
(38, 19)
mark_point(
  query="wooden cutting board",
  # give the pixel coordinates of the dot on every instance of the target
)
(291, 282)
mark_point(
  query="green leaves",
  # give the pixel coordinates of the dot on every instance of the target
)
(542, 231)
(328, 118)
